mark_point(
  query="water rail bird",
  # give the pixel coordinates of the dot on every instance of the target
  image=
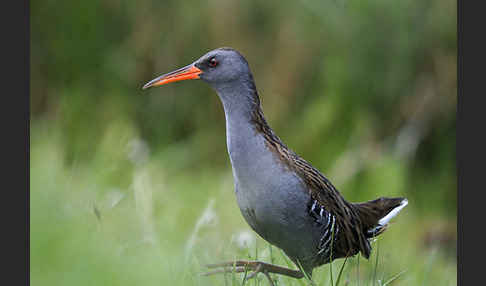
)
(283, 198)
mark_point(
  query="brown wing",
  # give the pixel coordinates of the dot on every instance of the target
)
(351, 238)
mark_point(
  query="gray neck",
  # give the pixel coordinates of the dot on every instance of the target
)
(246, 147)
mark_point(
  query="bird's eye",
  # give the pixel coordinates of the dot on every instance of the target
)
(213, 62)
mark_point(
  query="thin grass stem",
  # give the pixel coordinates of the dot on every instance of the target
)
(376, 261)
(394, 278)
(289, 265)
(341, 271)
(359, 254)
(330, 255)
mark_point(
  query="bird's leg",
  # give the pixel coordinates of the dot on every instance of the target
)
(257, 266)
(258, 269)
(269, 278)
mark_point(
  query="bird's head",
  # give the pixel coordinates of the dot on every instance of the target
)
(217, 67)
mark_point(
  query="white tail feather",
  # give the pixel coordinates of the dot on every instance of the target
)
(384, 220)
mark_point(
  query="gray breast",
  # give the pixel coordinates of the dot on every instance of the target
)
(272, 199)
(274, 202)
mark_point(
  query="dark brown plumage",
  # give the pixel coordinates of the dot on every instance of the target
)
(355, 219)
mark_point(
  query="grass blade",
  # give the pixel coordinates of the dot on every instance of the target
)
(341, 272)
(376, 261)
(359, 254)
(233, 274)
(394, 278)
(305, 273)
(330, 255)
(289, 265)
(244, 277)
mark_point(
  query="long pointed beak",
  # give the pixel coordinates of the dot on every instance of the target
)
(187, 72)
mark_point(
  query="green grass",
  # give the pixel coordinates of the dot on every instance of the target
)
(113, 222)
(364, 90)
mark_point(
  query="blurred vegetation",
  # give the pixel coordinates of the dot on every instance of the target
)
(120, 177)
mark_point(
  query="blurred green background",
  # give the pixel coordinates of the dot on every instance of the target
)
(132, 187)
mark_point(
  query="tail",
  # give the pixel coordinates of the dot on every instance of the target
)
(376, 214)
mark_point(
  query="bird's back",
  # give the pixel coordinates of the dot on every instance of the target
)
(351, 225)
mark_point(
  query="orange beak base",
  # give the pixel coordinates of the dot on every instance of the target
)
(187, 72)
